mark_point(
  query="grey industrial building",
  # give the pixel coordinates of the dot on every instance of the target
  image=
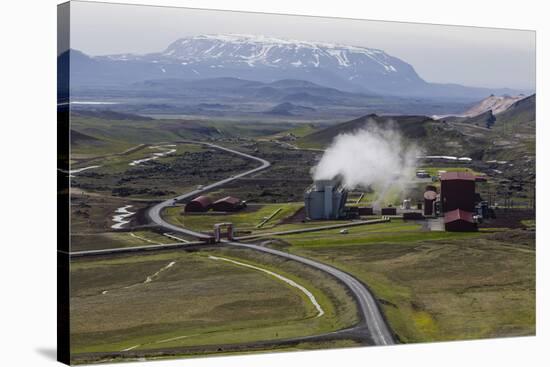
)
(326, 199)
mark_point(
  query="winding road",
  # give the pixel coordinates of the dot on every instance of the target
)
(154, 212)
(372, 320)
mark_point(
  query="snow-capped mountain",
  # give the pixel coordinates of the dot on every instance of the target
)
(254, 51)
(266, 59)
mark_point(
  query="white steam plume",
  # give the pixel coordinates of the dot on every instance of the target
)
(370, 157)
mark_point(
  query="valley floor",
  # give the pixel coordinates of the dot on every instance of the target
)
(431, 286)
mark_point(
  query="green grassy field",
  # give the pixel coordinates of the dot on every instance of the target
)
(481, 285)
(181, 171)
(146, 303)
(106, 240)
(432, 285)
(395, 232)
(434, 170)
(244, 220)
(442, 289)
(112, 134)
(116, 164)
(299, 131)
(393, 197)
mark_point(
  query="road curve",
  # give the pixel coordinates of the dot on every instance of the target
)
(371, 317)
(154, 212)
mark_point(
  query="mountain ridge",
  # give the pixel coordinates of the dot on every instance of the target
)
(269, 59)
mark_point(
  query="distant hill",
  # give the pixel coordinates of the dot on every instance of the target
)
(511, 110)
(511, 136)
(413, 127)
(433, 136)
(235, 97)
(78, 138)
(288, 109)
(493, 103)
(93, 130)
(108, 115)
(252, 90)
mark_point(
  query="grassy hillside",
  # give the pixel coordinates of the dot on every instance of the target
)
(509, 134)
(433, 136)
(178, 299)
(444, 289)
(411, 126)
(102, 133)
(513, 134)
(521, 112)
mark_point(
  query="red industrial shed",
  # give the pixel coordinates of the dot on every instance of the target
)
(460, 221)
(199, 204)
(366, 210)
(458, 191)
(389, 211)
(228, 204)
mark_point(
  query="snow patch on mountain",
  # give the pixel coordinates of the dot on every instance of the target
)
(256, 50)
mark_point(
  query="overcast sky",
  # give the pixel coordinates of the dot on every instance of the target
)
(483, 57)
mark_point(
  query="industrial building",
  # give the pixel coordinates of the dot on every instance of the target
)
(198, 205)
(326, 199)
(459, 220)
(228, 204)
(458, 191)
(458, 201)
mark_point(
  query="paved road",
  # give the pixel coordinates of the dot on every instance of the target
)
(371, 317)
(154, 212)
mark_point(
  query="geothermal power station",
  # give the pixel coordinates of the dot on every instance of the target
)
(456, 203)
(371, 176)
(447, 202)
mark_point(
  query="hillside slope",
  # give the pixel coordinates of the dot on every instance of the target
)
(521, 112)
(508, 135)
(493, 103)
(432, 136)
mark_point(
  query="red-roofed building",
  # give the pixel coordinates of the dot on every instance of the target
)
(460, 221)
(199, 204)
(458, 191)
(228, 204)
